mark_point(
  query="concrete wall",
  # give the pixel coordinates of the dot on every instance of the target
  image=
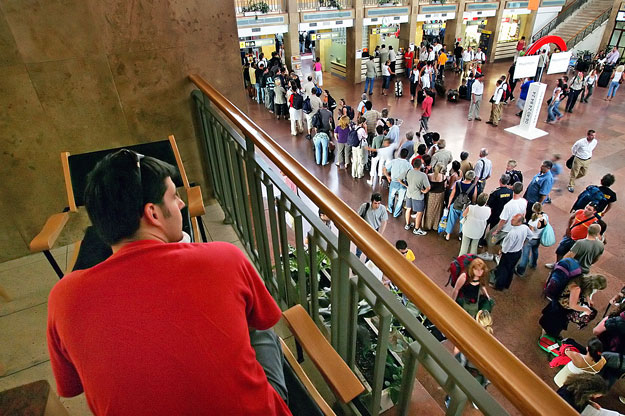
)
(543, 16)
(592, 41)
(82, 75)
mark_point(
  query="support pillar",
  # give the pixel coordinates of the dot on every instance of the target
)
(453, 28)
(408, 31)
(354, 42)
(291, 39)
(616, 6)
(494, 25)
(529, 27)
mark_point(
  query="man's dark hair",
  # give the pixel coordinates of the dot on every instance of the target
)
(368, 105)
(117, 191)
(417, 162)
(379, 129)
(391, 121)
(401, 245)
(517, 188)
(464, 155)
(607, 180)
(376, 197)
(403, 153)
(591, 131)
(548, 164)
(421, 149)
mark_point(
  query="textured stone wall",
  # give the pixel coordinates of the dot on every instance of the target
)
(83, 75)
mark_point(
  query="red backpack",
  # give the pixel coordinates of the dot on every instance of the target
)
(458, 266)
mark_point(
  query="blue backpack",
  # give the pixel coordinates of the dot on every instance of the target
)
(307, 107)
(592, 193)
(352, 137)
(562, 273)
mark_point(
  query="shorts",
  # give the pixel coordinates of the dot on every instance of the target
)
(417, 205)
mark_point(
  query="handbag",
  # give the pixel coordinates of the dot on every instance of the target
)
(486, 304)
(569, 162)
(548, 236)
(581, 319)
(443, 222)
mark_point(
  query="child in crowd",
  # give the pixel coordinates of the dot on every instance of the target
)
(556, 169)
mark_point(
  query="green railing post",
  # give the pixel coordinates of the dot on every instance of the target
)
(340, 285)
(381, 352)
(408, 378)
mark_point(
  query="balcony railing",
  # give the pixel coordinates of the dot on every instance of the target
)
(264, 6)
(382, 3)
(270, 219)
(307, 5)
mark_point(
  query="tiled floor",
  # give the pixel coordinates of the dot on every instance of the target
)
(517, 310)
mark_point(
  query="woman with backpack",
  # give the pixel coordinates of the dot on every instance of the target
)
(470, 284)
(536, 224)
(296, 101)
(344, 150)
(574, 299)
(463, 193)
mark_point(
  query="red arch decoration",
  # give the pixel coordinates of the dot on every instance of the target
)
(544, 41)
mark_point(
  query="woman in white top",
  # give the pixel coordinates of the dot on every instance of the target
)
(536, 224)
(592, 362)
(615, 82)
(475, 217)
(386, 76)
(589, 83)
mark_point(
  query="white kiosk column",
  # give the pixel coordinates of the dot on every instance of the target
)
(531, 111)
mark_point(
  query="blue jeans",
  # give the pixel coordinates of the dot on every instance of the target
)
(453, 217)
(259, 93)
(612, 89)
(321, 148)
(553, 111)
(530, 246)
(369, 82)
(386, 82)
(398, 189)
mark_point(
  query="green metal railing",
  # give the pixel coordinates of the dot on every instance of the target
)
(265, 6)
(286, 238)
(307, 5)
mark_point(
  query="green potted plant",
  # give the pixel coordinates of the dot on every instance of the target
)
(254, 8)
(329, 5)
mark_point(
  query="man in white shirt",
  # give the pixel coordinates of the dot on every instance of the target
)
(467, 57)
(392, 56)
(496, 105)
(613, 56)
(511, 248)
(431, 54)
(480, 57)
(308, 87)
(516, 206)
(393, 131)
(582, 153)
(437, 47)
(476, 98)
(483, 169)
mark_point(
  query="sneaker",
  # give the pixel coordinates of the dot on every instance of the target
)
(486, 256)
(571, 189)
(369, 182)
(497, 258)
(478, 119)
(549, 265)
(547, 201)
(489, 122)
(408, 226)
(419, 232)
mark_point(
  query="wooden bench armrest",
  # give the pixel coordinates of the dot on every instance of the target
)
(334, 370)
(303, 378)
(49, 233)
(196, 203)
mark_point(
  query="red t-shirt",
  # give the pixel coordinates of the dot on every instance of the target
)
(426, 106)
(163, 329)
(580, 232)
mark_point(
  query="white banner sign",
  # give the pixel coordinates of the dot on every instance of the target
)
(559, 62)
(526, 66)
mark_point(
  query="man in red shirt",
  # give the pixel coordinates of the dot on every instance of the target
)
(426, 107)
(577, 229)
(160, 327)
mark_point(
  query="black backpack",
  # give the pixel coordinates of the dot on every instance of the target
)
(306, 107)
(463, 198)
(316, 121)
(592, 193)
(350, 112)
(352, 137)
(298, 101)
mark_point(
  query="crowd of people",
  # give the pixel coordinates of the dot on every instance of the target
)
(432, 190)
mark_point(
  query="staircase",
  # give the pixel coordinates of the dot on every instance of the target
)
(575, 18)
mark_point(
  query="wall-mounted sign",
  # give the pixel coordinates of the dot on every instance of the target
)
(479, 14)
(381, 30)
(244, 32)
(257, 43)
(387, 20)
(327, 24)
(324, 35)
(436, 16)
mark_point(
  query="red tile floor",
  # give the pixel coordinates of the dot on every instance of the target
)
(517, 310)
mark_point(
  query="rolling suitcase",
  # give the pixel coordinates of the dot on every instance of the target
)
(420, 96)
(440, 87)
(399, 88)
(452, 96)
(462, 91)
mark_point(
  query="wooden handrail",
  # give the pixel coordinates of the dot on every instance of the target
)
(520, 385)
